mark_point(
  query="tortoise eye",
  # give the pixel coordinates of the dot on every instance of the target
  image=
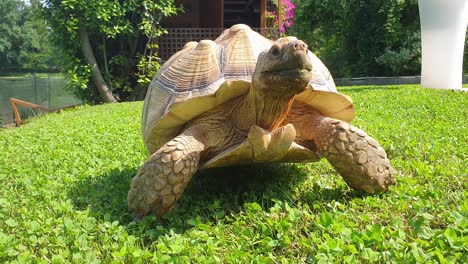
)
(275, 50)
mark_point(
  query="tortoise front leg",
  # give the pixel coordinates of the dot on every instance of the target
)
(161, 180)
(359, 159)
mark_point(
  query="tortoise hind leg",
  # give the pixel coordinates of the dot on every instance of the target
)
(161, 180)
(359, 159)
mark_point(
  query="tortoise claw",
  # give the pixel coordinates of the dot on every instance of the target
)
(360, 160)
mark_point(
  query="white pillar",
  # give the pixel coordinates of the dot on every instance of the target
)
(443, 30)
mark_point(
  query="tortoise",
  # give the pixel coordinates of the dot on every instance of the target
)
(246, 99)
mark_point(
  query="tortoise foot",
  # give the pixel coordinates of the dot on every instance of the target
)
(161, 180)
(360, 160)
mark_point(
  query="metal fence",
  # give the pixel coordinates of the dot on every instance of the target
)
(42, 89)
(49, 91)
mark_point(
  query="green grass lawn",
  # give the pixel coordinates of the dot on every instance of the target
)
(65, 179)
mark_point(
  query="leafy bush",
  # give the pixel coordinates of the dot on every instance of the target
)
(362, 38)
(24, 39)
(65, 179)
(287, 16)
(465, 56)
(121, 36)
(405, 60)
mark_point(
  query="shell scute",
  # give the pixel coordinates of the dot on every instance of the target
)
(206, 74)
(196, 69)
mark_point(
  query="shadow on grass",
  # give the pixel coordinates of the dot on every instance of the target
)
(105, 195)
(210, 195)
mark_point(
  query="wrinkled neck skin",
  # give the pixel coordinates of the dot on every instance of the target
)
(281, 72)
(265, 110)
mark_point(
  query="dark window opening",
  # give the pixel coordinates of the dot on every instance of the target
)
(242, 12)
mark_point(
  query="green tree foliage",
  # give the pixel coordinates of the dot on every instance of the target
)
(465, 55)
(362, 38)
(24, 37)
(120, 34)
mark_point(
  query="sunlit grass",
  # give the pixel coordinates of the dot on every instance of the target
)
(65, 179)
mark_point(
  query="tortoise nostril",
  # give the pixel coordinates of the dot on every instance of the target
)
(299, 45)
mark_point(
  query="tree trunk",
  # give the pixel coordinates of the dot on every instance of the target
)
(98, 80)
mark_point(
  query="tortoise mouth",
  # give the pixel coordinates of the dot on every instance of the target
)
(294, 73)
(284, 68)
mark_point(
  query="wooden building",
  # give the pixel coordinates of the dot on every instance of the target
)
(206, 19)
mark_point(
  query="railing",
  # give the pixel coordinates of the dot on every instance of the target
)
(176, 38)
(15, 102)
(46, 90)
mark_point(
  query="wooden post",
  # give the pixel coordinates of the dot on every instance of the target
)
(280, 13)
(49, 93)
(15, 112)
(35, 86)
(15, 102)
(222, 14)
(263, 10)
(14, 106)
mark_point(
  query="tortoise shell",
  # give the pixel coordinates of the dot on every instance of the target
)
(206, 74)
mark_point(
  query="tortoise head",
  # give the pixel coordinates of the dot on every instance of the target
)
(283, 70)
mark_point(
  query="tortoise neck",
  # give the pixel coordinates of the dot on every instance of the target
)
(266, 111)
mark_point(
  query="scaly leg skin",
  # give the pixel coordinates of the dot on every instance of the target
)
(359, 159)
(161, 180)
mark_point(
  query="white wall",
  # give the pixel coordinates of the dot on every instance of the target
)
(443, 30)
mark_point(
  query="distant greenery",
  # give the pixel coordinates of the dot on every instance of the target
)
(465, 55)
(362, 38)
(63, 195)
(118, 37)
(24, 38)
